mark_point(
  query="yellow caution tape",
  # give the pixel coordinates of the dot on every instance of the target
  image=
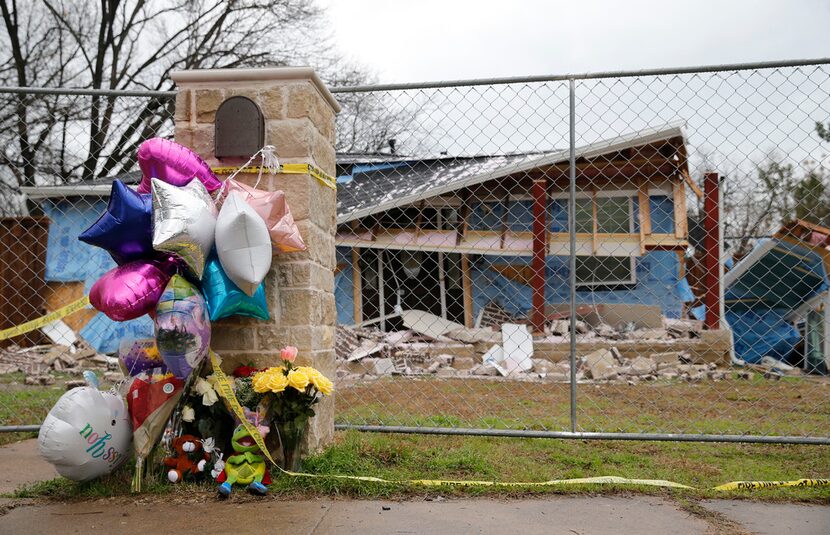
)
(225, 390)
(32, 325)
(288, 169)
(751, 485)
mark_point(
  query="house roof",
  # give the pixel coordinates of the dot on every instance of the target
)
(96, 187)
(402, 180)
(373, 192)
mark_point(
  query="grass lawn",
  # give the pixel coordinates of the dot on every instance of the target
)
(26, 405)
(790, 406)
(403, 457)
(755, 406)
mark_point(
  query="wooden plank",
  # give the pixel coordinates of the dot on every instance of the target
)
(504, 220)
(644, 214)
(420, 219)
(381, 294)
(517, 243)
(694, 187)
(465, 218)
(59, 294)
(467, 284)
(595, 222)
(680, 215)
(357, 286)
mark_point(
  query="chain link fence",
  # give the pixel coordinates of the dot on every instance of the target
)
(615, 255)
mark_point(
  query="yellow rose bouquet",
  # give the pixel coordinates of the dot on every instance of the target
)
(289, 394)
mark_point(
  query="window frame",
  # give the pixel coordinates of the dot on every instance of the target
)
(632, 281)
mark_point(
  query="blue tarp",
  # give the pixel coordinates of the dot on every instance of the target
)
(774, 285)
(656, 284)
(69, 260)
(344, 287)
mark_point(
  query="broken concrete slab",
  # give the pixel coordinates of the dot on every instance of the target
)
(601, 364)
(671, 357)
(474, 336)
(428, 324)
(383, 366)
(486, 368)
(545, 366)
(640, 366)
(563, 327)
(366, 349)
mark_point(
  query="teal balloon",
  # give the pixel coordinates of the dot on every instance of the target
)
(224, 298)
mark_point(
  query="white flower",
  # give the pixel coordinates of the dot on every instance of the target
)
(218, 467)
(204, 388)
(188, 414)
(208, 444)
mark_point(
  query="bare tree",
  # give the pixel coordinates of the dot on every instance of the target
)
(136, 44)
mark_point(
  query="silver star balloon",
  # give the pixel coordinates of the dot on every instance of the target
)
(184, 219)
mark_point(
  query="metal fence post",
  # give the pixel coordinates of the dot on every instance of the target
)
(572, 247)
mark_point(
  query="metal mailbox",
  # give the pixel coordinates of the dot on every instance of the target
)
(240, 128)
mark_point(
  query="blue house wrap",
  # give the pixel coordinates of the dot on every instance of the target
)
(658, 280)
(765, 288)
(70, 260)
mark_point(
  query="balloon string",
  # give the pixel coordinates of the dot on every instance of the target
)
(269, 160)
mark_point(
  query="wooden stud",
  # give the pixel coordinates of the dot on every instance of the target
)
(694, 187)
(595, 226)
(420, 219)
(680, 222)
(504, 220)
(643, 213)
(357, 286)
(681, 257)
(467, 284)
(465, 217)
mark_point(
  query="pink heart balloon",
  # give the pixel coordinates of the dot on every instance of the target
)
(172, 163)
(131, 290)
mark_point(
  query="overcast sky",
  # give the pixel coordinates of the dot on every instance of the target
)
(408, 41)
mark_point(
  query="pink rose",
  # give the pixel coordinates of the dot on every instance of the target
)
(288, 353)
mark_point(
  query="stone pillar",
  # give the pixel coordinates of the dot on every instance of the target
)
(299, 121)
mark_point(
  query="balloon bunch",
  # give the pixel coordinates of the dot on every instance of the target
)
(190, 250)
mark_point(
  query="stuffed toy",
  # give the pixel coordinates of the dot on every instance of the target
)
(246, 466)
(190, 458)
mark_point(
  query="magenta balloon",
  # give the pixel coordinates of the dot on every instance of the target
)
(172, 163)
(131, 290)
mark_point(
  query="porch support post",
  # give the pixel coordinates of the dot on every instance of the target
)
(540, 233)
(711, 246)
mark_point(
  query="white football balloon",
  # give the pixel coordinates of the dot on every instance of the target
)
(243, 243)
(86, 434)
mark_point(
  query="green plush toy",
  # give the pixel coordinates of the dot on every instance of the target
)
(246, 467)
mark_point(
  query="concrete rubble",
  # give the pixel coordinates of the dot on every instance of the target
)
(630, 354)
(39, 363)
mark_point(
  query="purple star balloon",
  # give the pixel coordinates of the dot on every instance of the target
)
(125, 230)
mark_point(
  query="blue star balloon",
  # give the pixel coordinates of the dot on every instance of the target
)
(224, 298)
(125, 230)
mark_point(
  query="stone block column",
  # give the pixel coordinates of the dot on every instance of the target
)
(299, 116)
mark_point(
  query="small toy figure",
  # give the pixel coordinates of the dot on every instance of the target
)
(246, 466)
(188, 448)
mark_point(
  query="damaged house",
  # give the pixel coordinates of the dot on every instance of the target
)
(463, 238)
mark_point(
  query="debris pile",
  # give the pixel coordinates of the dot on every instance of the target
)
(38, 362)
(432, 346)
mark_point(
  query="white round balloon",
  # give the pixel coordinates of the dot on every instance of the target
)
(243, 243)
(86, 434)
